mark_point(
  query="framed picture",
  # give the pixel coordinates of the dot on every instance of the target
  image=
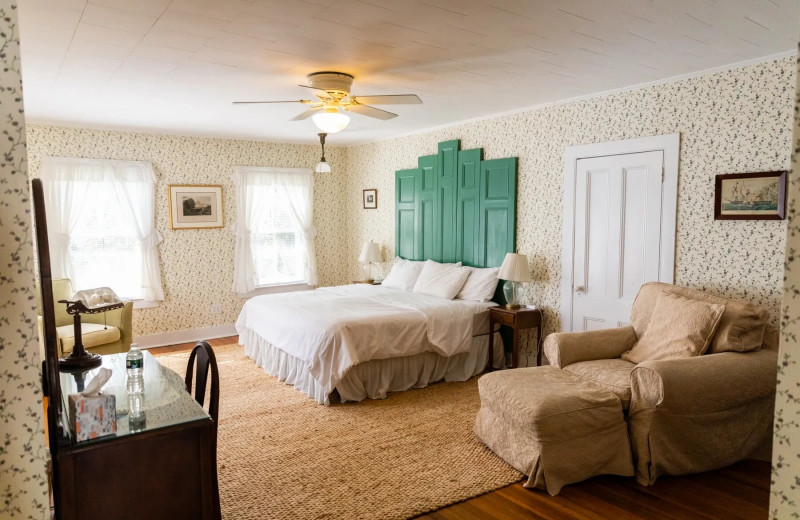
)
(370, 199)
(195, 206)
(750, 196)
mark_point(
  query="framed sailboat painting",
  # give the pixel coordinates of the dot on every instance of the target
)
(750, 196)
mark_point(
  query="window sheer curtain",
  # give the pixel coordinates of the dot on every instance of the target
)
(72, 185)
(295, 185)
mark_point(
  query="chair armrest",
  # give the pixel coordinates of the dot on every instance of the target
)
(703, 384)
(565, 348)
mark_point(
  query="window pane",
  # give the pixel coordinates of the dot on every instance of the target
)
(278, 253)
(103, 252)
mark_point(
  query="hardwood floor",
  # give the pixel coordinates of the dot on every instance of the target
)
(740, 491)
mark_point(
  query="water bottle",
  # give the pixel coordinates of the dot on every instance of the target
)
(134, 363)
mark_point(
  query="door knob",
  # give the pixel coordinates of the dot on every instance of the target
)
(580, 289)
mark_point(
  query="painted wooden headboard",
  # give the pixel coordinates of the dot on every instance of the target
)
(457, 207)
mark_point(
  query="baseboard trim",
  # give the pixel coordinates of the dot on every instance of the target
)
(185, 336)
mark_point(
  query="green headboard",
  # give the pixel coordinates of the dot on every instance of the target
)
(456, 207)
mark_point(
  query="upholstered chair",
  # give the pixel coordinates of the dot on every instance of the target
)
(101, 334)
(688, 414)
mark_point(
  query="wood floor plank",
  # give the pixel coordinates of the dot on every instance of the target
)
(740, 491)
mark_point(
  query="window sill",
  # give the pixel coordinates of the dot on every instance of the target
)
(275, 289)
(145, 304)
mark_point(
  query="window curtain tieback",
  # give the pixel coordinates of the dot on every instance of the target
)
(152, 240)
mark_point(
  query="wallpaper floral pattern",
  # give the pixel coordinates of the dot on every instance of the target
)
(785, 498)
(197, 264)
(23, 484)
(738, 120)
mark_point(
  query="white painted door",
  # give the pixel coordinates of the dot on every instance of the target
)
(617, 235)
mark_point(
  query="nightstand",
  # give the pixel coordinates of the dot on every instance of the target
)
(518, 319)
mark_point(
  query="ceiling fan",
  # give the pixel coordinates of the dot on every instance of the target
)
(332, 90)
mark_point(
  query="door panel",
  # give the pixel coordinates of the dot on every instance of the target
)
(428, 210)
(617, 236)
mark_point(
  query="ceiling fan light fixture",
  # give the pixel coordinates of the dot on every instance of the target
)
(330, 120)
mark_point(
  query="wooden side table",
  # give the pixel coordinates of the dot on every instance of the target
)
(518, 319)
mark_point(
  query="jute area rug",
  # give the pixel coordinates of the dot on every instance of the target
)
(283, 456)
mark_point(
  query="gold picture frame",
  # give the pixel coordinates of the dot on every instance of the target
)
(196, 206)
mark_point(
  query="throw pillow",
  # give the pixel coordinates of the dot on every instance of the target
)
(679, 327)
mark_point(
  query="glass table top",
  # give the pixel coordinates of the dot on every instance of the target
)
(166, 401)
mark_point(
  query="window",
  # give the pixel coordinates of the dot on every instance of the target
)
(100, 223)
(274, 229)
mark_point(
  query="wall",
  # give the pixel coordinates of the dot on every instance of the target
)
(732, 121)
(785, 491)
(23, 482)
(197, 265)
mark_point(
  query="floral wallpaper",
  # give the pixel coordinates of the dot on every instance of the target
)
(738, 120)
(23, 482)
(785, 497)
(197, 264)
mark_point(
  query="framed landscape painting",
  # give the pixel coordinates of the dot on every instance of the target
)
(195, 206)
(750, 196)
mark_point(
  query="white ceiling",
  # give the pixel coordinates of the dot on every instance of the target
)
(175, 66)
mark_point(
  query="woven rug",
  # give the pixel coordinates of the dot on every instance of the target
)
(283, 456)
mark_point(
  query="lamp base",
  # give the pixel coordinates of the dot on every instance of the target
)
(79, 362)
(511, 292)
(513, 306)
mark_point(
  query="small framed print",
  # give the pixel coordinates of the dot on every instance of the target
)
(371, 199)
(750, 196)
(193, 206)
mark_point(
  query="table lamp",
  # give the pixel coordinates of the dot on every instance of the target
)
(90, 301)
(371, 252)
(514, 271)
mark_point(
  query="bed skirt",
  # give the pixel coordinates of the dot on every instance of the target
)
(373, 379)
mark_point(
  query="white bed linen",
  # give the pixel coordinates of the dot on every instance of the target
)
(374, 379)
(332, 329)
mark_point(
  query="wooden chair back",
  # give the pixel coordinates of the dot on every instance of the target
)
(203, 355)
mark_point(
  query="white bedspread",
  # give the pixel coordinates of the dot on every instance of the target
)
(334, 328)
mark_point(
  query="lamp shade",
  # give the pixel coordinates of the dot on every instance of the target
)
(371, 252)
(330, 120)
(323, 167)
(515, 268)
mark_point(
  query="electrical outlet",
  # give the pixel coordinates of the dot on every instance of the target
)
(216, 309)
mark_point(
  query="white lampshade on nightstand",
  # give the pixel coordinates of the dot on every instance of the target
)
(514, 271)
(371, 252)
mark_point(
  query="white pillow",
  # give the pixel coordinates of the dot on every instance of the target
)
(442, 280)
(403, 275)
(481, 284)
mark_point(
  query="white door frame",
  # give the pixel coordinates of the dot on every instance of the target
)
(669, 144)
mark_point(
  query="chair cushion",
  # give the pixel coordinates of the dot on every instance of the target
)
(679, 327)
(550, 404)
(612, 374)
(93, 334)
(741, 328)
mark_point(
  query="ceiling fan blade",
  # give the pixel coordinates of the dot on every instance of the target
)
(366, 110)
(389, 99)
(305, 115)
(304, 101)
(320, 92)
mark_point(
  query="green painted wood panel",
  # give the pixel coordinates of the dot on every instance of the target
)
(408, 184)
(456, 207)
(429, 210)
(498, 210)
(468, 206)
(447, 195)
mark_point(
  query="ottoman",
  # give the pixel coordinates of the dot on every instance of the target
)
(552, 426)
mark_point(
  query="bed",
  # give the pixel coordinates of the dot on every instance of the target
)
(363, 341)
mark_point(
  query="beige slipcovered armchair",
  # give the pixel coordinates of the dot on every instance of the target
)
(103, 333)
(691, 414)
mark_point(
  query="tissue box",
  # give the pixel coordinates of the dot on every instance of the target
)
(92, 417)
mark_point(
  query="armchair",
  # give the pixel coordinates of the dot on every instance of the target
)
(101, 334)
(691, 414)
